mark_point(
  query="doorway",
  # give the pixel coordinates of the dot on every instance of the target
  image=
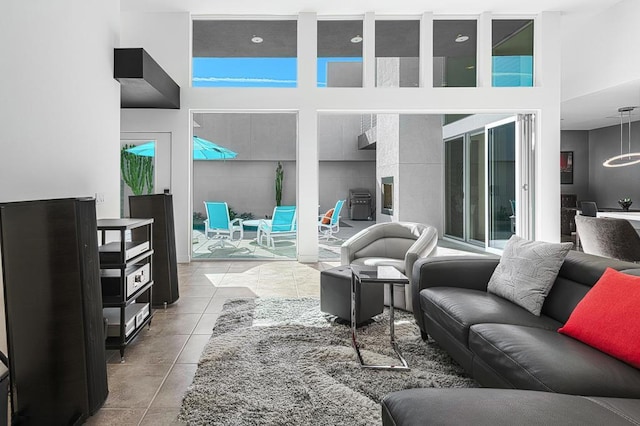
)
(157, 152)
(254, 173)
(488, 183)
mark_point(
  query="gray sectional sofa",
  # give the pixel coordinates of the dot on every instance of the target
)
(504, 346)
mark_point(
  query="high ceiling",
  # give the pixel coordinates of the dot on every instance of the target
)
(584, 113)
(339, 7)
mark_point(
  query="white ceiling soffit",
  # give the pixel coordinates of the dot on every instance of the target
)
(600, 109)
(335, 7)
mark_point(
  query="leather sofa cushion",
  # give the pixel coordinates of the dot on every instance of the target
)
(457, 309)
(497, 407)
(538, 359)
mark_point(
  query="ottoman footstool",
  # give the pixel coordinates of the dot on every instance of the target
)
(335, 296)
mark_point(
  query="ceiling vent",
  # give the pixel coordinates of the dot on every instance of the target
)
(143, 83)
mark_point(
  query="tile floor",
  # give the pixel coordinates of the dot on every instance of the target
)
(160, 363)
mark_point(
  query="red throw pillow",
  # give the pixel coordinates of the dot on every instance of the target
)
(607, 317)
(327, 216)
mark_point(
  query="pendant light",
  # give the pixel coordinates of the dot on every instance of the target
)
(629, 158)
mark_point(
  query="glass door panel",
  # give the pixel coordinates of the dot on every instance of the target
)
(454, 188)
(476, 191)
(501, 180)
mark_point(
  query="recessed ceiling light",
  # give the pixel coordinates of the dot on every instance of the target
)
(256, 39)
(461, 38)
(356, 39)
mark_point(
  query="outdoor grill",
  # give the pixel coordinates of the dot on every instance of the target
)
(360, 204)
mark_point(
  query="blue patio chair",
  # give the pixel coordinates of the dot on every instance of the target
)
(329, 225)
(282, 224)
(218, 225)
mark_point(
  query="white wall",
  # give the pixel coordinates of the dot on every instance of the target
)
(59, 108)
(602, 51)
(166, 38)
(59, 104)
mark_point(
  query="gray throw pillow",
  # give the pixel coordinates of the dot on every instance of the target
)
(526, 272)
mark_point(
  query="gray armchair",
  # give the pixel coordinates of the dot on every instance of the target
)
(608, 237)
(397, 244)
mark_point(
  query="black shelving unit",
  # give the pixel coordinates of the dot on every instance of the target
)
(126, 274)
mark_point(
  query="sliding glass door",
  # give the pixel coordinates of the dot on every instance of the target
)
(454, 188)
(477, 193)
(488, 183)
(501, 180)
(464, 188)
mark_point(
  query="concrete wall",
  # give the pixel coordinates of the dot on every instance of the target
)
(342, 165)
(338, 138)
(607, 185)
(397, 72)
(410, 151)
(252, 136)
(578, 142)
(388, 162)
(338, 177)
(344, 74)
(246, 186)
(420, 183)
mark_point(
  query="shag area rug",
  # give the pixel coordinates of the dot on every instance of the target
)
(275, 361)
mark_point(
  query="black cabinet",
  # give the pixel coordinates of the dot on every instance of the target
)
(165, 266)
(53, 304)
(126, 273)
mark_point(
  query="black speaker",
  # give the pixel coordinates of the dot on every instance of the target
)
(53, 307)
(165, 266)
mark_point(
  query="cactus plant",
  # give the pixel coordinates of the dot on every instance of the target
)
(137, 171)
(279, 178)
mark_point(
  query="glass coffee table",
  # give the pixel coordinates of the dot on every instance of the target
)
(379, 275)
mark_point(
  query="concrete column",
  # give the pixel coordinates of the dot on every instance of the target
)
(409, 149)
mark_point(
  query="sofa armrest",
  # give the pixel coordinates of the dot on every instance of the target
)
(472, 272)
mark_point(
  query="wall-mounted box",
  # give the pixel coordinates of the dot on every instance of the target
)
(143, 83)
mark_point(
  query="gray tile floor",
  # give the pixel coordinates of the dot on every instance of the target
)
(147, 389)
(160, 363)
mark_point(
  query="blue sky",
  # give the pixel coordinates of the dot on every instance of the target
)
(254, 72)
(508, 71)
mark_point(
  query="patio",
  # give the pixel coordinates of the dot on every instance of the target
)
(285, 248)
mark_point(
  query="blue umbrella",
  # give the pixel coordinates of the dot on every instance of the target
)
(202, 150)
